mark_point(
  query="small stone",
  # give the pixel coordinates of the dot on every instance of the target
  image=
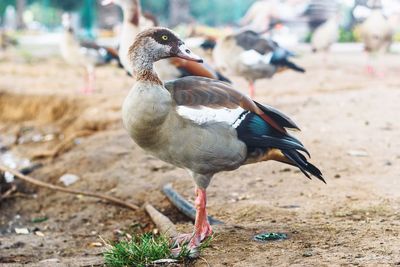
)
(95, 244)
(337, 176)
(307, 254)
(69, 179)
(38, 233)
(22, 231)
(243, 197)
(53, 260)
(357, 153)
(388, 163)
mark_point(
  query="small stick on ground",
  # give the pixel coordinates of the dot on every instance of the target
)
(66, 190)
(162, 222)
(183, 205)
(8, 192)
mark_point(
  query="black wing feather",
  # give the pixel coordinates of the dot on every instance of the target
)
(278, 116)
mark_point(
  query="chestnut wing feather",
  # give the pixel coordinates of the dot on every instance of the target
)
(199, 91)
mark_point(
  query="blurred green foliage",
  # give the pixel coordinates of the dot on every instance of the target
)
(211, 12)
(49, 16)
(67, 5)
(346, 36)
(214, 12)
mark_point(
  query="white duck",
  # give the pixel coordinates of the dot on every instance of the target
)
(200, 124)
(135, 21)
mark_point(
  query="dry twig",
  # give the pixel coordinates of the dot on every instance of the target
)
(8, 192)
(66, 190)
(162, 222)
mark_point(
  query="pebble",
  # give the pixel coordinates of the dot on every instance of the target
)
(307, 254)
(69, 179)
(357, 153)
(53, 260)
(95, 244)
(22, 231)
(38, 233)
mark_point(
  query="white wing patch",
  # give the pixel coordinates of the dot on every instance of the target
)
(204, 114)
(252, 57)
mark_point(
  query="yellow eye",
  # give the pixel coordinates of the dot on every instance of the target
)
(164, 37)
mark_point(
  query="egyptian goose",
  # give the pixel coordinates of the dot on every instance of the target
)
(251, 56)
(84, 54)
(325, 35)
(201, 124)
(376, 33)
(133, 23)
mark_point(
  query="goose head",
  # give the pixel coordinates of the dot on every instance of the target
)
(158, 43)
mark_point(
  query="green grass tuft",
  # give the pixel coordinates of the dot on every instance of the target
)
(143, 249)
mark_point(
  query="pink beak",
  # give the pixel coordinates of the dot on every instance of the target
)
(185, 53)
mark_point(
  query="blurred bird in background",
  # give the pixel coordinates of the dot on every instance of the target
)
(134, 21)
(377, 35)
(84, 54)
(325, 35)
(251, 56)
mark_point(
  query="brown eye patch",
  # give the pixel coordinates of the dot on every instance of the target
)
(165, 37)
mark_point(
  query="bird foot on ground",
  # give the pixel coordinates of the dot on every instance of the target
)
(182, 239)
(370, 70)
(193, 251)
(373, 72)
(190, 241)
(183, 242)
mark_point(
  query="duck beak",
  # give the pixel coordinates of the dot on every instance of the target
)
(185, 53)
(106, 2)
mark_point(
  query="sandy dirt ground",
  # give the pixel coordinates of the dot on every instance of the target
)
(350, 124)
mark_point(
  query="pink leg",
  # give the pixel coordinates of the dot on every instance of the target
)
(370, 69)
(202, 228)
(85, 83)
(89, 80)
(251, 89)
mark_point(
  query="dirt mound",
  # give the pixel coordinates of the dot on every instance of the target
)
(69, 113)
